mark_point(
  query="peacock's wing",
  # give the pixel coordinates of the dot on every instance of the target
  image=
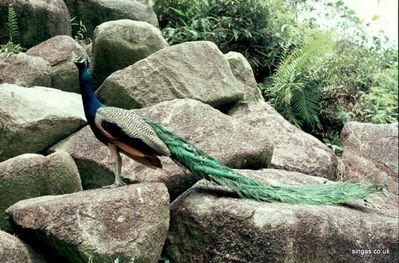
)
(131, 134)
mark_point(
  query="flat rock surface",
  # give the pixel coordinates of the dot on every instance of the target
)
(210, 225)
(196, 70)
(127, 223)
(33, 119)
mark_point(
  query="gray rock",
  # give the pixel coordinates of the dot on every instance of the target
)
(209, 225)
(33, 29)
(96, 12)
(128, 223)
(33, 119)
(294, 150)
(243, 72)
(60, 51)
(196, 70)
(370, 155)
(24, 70)
(121, 43)
(13, 250)
(33, 175)
(223, 137)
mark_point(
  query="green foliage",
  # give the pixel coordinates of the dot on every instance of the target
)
(293, 90)
(12, 24)
(12, 46)
(380, 103)
(350, 76)
(81, 31)
(257, 29)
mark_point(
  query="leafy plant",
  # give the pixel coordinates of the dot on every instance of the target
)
(11, 47)
(257, 29)
(81, 31)
(293, 90)
(12, 24)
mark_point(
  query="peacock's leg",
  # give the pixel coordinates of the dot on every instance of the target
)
(117, 162)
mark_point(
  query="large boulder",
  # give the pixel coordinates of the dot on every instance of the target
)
(121, 43)
(210, 225)
(243, 72)
(294, 150)
(196, 70)
(13, 250)
(24, 70)
(225, 138)
(370, 153)
(95, 12)
(127, 223)
(33, 119)
(60, 51)
(33, 175)
(38, 20)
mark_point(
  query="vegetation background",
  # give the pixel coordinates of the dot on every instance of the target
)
(316, 77)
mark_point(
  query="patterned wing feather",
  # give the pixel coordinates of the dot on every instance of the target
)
(129, 130)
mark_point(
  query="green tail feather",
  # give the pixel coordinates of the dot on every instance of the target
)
(205, 166)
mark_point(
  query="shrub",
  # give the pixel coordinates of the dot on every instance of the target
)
(12, 46)
(257, 29)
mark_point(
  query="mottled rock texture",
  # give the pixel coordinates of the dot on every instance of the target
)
(33, 119)
(196, 70)
(127, 223)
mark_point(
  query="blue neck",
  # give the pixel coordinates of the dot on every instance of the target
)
(90, 101)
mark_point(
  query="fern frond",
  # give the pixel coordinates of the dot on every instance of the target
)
(291, 87)
(12, 24)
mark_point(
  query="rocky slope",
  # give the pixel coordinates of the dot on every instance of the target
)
(52, 168)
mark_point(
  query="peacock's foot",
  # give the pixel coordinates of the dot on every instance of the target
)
(121, 182)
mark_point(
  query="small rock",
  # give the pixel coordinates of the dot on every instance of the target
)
(33, 119)
(95, 12)
(13, 250)
(24, 70)
(33, 175)
(208, 225)
(196, 70)
(121, 43)
(128, 223)
(38, 20)
(60, 51)
(294, 150)
(243, 72)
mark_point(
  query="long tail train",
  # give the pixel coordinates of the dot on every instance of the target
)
(205, 166)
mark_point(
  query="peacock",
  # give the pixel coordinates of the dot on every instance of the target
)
(144, 141)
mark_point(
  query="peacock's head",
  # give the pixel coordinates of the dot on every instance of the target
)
(80, 62)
